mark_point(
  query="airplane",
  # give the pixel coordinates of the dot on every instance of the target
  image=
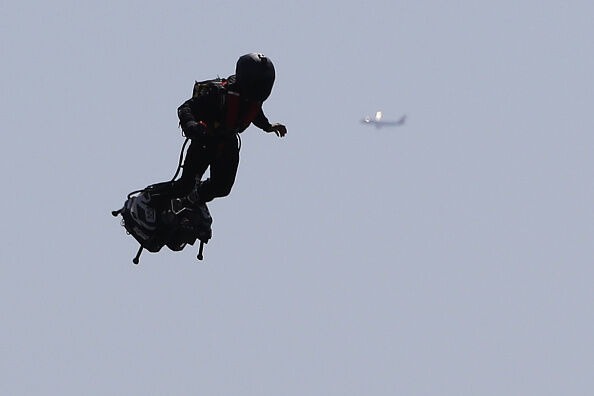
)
(378, 122)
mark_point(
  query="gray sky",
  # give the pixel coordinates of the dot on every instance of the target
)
(452, 256)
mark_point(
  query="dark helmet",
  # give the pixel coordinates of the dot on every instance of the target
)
(254, 75)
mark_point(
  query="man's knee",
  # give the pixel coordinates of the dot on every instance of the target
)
(222, 190)
(210, 189)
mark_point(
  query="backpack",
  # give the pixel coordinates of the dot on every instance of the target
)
(209, 87)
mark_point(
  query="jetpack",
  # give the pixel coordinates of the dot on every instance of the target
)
(156, 222)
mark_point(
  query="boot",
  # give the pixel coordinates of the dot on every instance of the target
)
(189, 201)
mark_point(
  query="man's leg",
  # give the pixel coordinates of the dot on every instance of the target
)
(223, 168)
(194, 166)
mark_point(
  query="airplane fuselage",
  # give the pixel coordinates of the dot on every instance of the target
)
(378, 122)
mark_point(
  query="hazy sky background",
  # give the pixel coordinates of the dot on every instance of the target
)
(452, 256)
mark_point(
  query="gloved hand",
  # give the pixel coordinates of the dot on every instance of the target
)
(194, 129)
(279, 129)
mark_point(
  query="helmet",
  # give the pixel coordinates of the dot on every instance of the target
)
(254, 75)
